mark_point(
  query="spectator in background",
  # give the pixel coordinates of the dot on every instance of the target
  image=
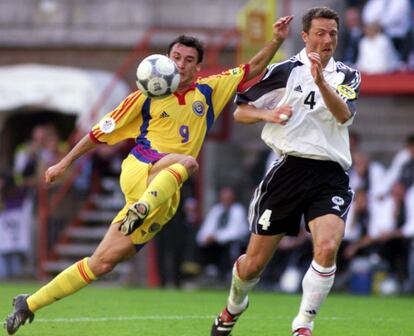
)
(107, 160)
(355, 228)
(366, 174)
(172, 253)
(358, 219)
(406, 176)
(404, 234)
(393, 173)
(288, 266)
(27, 155)
(15, 224)
(355, 3)
(190, 267)
(352, 34)
(411, 51)
(385, 215)
(407, 231)
(32, 157)
(53, 151)
(222, 234)
(376, 52)
(394, 16)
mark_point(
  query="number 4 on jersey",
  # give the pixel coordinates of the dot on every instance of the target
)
(264, 219)
(310, 100)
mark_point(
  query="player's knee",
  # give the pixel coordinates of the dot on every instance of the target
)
(253, 268)
(325, 251)
(190, 164)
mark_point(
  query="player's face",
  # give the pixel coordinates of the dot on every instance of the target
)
(322, 38)
(186, 59)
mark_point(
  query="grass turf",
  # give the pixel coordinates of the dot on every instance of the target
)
(103, 311)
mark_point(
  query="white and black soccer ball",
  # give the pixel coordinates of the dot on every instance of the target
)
(157, 76)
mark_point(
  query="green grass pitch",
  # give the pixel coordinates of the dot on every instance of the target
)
(107, 311)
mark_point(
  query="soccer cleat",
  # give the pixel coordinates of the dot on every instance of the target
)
(20, 315)
(302, 332)
(224, 323)
(134, 218)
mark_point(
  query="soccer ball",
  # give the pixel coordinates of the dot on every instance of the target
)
(157, 76)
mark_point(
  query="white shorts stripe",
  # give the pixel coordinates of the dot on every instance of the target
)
(259, 194)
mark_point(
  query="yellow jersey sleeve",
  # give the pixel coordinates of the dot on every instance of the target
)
(225, 85)
(121, 123)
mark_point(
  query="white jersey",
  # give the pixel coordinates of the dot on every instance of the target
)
(312, 131)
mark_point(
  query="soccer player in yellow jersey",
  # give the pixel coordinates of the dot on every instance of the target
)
(168, 133)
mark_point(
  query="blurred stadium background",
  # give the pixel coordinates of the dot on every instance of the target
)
(64, 63)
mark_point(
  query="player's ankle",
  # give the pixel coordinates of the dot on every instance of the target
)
(302, 321)
(234, 308)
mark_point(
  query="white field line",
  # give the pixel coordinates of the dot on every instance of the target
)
(189, 317)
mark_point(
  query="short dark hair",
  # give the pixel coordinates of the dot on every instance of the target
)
(318, 12)
(189, 41)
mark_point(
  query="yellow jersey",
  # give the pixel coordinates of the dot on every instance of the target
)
(174, 124)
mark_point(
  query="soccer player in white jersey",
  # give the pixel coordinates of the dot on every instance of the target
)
(307, 103)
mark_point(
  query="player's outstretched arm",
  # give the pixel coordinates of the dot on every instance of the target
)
(249, 114)
(83, 146)
(259, 62)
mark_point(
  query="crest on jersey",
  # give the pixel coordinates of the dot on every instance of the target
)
(107, 125)
(338, 201)
(198, 108)
(346, 91)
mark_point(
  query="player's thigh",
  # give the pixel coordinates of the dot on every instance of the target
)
(133, 178)
(113, 249)
(259, 252)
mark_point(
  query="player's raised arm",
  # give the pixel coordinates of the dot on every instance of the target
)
(83, 146)
(259, 62)
(333, 102)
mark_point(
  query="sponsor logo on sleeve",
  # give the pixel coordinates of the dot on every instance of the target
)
(107, 125)
(236, 71)
(346, 91)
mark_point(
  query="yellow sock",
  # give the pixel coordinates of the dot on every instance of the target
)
(164, 185)
(66, 283)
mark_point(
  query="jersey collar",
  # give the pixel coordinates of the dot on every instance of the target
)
(303, 57)
(181, 96)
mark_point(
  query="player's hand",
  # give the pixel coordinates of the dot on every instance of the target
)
(280, 115)
(281, 28)
(316, 68)
(54, 172)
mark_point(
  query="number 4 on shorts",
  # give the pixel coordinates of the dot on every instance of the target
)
(264, 219)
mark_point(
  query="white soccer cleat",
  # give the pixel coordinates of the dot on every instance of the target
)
(134, 218)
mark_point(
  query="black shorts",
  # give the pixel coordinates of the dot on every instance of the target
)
(294, 187)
